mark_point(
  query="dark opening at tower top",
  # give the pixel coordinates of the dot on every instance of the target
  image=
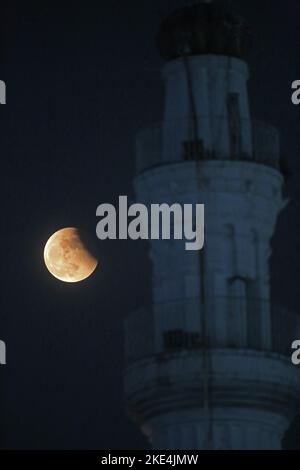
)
(203, 28)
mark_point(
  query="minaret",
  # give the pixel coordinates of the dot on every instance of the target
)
(208, 363)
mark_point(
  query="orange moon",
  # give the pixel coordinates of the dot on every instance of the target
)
(67, 257)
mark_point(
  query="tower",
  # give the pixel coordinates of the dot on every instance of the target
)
(208, 363)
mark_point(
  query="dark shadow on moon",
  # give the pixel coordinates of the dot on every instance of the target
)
(88, 242)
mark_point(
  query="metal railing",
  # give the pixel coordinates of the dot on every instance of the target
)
(149, 146)
(232, 323)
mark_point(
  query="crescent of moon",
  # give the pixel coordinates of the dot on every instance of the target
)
(67, 258)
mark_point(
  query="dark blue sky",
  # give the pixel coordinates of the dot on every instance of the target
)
(81, 81)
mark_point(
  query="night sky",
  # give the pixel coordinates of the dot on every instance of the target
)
(81, 81)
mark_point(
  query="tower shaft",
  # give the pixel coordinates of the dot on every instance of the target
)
(206, 362)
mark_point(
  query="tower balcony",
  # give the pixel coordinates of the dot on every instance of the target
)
(149, 146)
(233, 323)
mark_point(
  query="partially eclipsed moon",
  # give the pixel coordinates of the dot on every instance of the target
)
(67, 256)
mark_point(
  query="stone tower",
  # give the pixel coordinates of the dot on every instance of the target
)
(208, 363)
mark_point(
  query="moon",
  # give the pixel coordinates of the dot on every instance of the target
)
(67, 256)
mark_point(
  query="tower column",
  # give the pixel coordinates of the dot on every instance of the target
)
(207, 363)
